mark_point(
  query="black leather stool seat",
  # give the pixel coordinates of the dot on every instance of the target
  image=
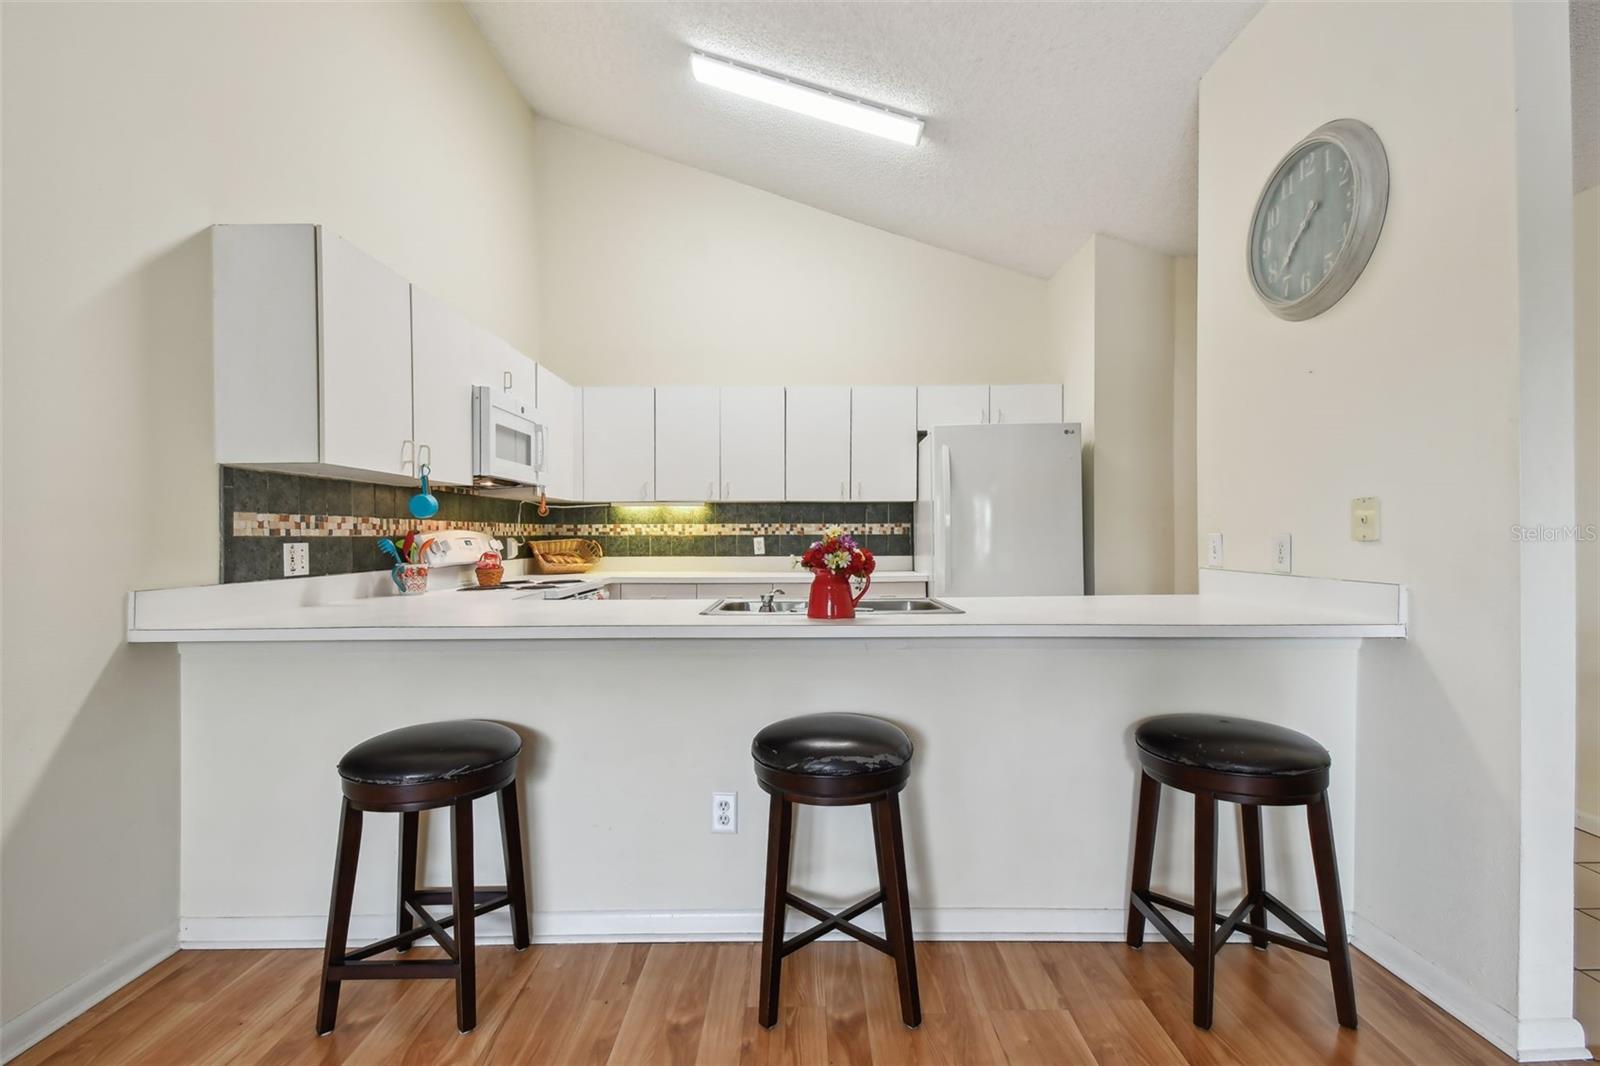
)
(435, 751)
(832, 745)
(1230, 745)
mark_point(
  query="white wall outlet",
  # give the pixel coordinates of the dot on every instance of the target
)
(724, 812)
(1213, 550)
(1366, 518)
(1283, 554)
(296, 559)
(759, 545)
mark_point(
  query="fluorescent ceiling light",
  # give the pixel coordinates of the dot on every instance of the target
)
(806, 99)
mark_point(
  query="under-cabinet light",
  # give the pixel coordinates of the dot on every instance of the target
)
(791, 95)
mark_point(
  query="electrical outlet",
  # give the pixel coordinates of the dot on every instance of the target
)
(296, 559)
(724, 812)
(759, 544)
(1366, 518)
(1213, 550)
(1283, 554)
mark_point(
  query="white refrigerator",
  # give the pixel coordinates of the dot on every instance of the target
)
(1003, 510)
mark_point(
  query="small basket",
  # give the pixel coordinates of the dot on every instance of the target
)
(572, 556)
(489, 576)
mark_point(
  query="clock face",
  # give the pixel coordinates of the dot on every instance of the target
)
(1303, 221)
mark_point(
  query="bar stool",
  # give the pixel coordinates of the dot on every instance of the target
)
(836, 760)
(418, 768)
(1253, 764)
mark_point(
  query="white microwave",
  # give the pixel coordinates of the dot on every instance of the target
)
(508, 446)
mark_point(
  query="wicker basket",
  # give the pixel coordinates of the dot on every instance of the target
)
(564, 556)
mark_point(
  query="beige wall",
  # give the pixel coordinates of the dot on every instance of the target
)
(129, 129)
(1121, 323)
(654, 272)
(1408, 390)
(1586, 286)
(1185, 532)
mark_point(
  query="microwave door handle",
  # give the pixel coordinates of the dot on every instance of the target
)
(541, 437)
(944, 518)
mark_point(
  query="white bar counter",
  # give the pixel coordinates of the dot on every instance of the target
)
(1230, 605)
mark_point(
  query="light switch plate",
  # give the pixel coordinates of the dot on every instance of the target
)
(1366, 518)
(759, 545)
(1213, 550)
(296, 559)
(1282, 554)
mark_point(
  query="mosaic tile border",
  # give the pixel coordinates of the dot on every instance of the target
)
(261, 524)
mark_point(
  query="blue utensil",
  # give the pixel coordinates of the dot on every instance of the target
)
(387, 547)
(394, 575)
(424, 504)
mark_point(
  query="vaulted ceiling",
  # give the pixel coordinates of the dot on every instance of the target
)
(1045, 122)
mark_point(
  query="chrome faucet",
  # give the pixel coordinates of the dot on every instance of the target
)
(767, 606)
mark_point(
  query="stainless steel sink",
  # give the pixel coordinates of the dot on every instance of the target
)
(885, 606)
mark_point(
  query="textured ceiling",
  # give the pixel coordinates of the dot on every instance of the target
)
(1585, 94)
(1046, 122)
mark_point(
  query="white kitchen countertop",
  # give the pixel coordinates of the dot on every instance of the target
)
(605, 576)
(1248, 606)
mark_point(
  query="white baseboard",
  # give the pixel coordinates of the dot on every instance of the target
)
(1530, 1040)
(48, 1015)
(1589, 823)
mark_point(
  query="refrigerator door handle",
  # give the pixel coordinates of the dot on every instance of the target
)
(943, 518)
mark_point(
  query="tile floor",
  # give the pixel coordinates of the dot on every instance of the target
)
(1586, 936)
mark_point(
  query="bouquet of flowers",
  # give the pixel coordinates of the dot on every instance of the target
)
(838, 554)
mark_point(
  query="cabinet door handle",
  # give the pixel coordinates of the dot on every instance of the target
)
(844, 491)
(425, 455)
(646, 494)
(711, 490)
(727, 489)
(506, 381)
(407, 454)
(983, 416)
(1002, 414)
(859, 494)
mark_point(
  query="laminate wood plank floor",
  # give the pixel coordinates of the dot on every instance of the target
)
(640, 1004)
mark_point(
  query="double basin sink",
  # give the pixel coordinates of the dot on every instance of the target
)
(916, 605)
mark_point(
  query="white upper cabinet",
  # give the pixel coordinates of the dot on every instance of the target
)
(688, 444)
(817, 449)
(443, 347)
(366, 361)
(558, 412)
(752, 443)
(952, 405)
(619, 443)
(311, 353)
(1024, 403)
(883, 443)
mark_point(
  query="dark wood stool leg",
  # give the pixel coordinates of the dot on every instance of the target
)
(1205, 905)
(516, 882)
(406, 881)
(1144, 850)
(344, 886)
(890, 839)
(461, 883)
(1254, 882)
(1322, 857)
(780, 834)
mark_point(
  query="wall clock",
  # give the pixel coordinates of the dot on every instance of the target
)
(1318, 218)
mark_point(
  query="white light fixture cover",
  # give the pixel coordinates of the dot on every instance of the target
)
(805, 99)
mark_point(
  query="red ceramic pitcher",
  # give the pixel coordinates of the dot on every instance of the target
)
(831, 596)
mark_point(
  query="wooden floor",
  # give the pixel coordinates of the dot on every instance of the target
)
(635, 1004)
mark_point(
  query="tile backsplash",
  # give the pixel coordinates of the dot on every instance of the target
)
(343, 521)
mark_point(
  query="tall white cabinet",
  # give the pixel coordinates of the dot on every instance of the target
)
(619, 443)
(688, 443)
(883, 442)
(443, 344)
(752, 425)
(817, 434)
(559, 408)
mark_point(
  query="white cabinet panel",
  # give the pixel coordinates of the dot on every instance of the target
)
(442, 372)
(558, 413)
(1024, 403)
(752, 443)
(500, 366)
(817, 450)
(652, 591)
(952, 405)
(896, 590)
(688, 444)
(619, 443)
(366, 361)
(883, 443)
